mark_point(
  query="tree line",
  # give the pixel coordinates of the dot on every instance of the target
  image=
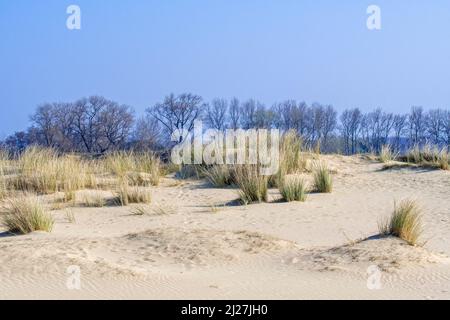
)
(97, 125)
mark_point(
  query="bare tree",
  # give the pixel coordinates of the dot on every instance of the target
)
(416, 125)
(435, 121)
(216, 113)
(264, 117)
(447, 129)
(147, 134)
(234, 113)
(284, 114)
(329, 125)
(350, 127)
(46, 123)
(248, 112)
(17, 142)
(115, 123)
(100, 124)
(399, 126)
(177, 114)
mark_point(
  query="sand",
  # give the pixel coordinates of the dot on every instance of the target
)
(195, 243)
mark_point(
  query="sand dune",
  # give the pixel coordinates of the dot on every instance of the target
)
(202, 246)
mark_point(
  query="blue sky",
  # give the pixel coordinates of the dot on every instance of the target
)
(137, 51)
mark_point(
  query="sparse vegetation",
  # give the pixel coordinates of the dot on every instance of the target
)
(133, 194)
(292, 160)
(139, 168)
(405, 222)
(70, 216)
(161, 209)
(253, 186)
(3, 184)
(26, 214)
(387, 154)
(44, 171)
(429, 156)
(323, 181)
(139, 211)
(294, 188)
(219, 175)
(93, 200)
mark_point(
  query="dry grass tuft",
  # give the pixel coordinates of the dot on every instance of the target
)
(139, 211)
(140, 168)
(219, 175)
(3, 183)
(161, 209)
(127, 195)
(94, 200)
(405, 222)
(387, 154)
(70, 216)
(323, 181)
(26, 214)
(429, 156)
(294, 188)
(253, 186)
(43, 171)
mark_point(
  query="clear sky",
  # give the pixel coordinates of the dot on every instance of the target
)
(137, 51)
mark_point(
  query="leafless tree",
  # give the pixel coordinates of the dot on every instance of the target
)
(301, 119)
(399, 126)
(115, 123)
(416, 125)
(447, 129)
(147, 134)
(177, 114)
(52, 126)
(216, 113)
(264, 117)
(17, 142)
(435, 122)
(329, 125)
(46, 123)
(248, 112)
(350, 128)
(100, 124)
(234, 113)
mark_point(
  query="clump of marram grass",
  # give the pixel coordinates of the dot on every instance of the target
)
(444, 160)
(219, 175)
(190, 171)
(161, 209)
(387, 154)
(70, 216)
(139, 211)
(414, 155)
(405, 222)
(139, 168)
(93, 200)
(293, 188)
(429, 156)
(26, 214)
(292, 160)
(252, 184)
(44, 171)
(3, 184)
(323, 181)
(127, 195)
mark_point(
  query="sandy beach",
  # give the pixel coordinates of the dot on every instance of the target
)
(195, 242)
